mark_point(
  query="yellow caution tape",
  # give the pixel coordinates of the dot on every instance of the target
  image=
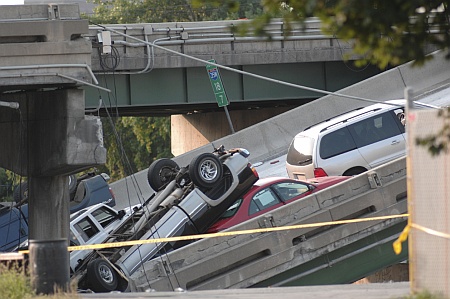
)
(431, 231)
(402, 238)
(404, 235)
(224, 234)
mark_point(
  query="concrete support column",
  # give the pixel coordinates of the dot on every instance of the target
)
(189, 132)
(49, 201)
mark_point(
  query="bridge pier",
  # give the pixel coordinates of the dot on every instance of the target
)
(192, 131)
(44, 60)
(47, 139)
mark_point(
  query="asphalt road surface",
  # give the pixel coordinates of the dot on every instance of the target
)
(393, 290)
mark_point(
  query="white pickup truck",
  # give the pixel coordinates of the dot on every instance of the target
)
(189, 200)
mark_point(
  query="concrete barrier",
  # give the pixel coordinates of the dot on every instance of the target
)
(314, 255)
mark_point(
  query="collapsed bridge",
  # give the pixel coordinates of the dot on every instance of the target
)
(327, 254)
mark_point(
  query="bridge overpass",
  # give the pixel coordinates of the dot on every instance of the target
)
(159, 69)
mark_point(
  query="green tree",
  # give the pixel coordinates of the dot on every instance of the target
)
(133, 143)
(384, 31)
(157, 11)
(6, 183)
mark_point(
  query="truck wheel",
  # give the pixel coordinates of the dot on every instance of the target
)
(21, 192)
(161, 172)
(72, 183)
(206, 170)
(101, 276)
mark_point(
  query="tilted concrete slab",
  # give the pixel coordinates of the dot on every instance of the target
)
(263, 259)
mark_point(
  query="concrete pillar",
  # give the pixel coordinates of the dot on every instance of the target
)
(49, 207)
(189, 132)
(45, 141)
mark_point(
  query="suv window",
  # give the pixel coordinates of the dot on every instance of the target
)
(374, 129)
(300, 151)
(336, 143)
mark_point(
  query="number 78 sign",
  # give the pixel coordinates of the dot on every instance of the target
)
(216, 83)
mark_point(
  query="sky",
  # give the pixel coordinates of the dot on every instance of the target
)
(11, 2)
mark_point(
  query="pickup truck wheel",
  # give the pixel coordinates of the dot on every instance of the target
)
(72, 183)
(206, 170)
(21, 192)
(161, 172)
(101, 276)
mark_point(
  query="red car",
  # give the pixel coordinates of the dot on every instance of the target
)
(268, 194)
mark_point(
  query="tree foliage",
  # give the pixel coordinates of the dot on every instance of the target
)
(133, 143)
(384, 31)
(158, 11)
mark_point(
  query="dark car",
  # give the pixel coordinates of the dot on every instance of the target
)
(90, 189)
(268, 194)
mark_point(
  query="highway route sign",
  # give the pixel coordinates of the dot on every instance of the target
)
(216, 83)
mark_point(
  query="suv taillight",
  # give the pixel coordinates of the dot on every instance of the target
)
(319, 172)
(255, 172)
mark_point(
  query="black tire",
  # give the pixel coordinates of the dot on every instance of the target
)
(161, 172)
(101, 276)
(354, 171)
(206, 170)
(72, 183)
(20, 193)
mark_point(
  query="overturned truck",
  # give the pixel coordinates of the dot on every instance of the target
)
(188, 201)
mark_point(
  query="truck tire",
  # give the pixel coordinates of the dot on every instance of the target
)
(21, 191)
(101, 276)
(161, 172)
(206, 170)
(72, 183)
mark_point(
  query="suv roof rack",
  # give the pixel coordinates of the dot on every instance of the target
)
(328, 119)
(349, 118)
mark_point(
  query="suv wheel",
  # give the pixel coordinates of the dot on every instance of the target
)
(161, 172)
(206, 170)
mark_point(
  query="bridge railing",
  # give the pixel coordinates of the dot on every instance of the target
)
(130, 51)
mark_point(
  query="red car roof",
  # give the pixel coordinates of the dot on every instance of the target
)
(241, 211)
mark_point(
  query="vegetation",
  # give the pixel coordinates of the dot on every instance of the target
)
(384, 31)
(157, 11)
(15, 284)
(133, 143)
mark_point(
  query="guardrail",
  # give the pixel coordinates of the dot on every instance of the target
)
(310, 255)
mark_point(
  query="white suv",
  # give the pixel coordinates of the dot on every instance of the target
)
(350, 143)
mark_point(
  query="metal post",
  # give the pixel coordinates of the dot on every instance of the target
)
(229, 119)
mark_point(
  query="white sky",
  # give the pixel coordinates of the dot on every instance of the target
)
(11, 2)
